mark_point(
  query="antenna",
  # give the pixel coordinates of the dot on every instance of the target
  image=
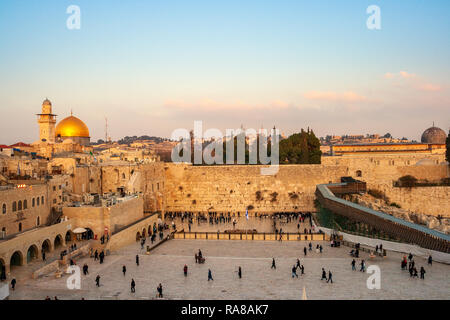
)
(106, 130)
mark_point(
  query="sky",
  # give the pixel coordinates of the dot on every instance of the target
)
(151, 67)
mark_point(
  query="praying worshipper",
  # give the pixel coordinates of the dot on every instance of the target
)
(310, 246)
(430, 260)
(124, 270)
(137, 260)
(240, 273)
(133, 286)
(304, 250)
(273, 264)
(97, 281)
(185, 270)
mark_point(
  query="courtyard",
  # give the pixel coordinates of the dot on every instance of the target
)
(165, 265)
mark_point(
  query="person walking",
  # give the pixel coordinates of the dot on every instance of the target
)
(430, 260)
(160, 290)
(97, 281)
(330, 277)
(353, 265)
(310, 246)
(422, 273)
(298, 263)
(13, 283)
(133, 286)
(210, 275)
(85, 269)
(96, 255)
(294, 271)
(304, 251)
(240, 272)
(324, 274)
(185, 270)
(273, 264)
(124, 270)
(137, 260)
(363, 266)
(302, 268)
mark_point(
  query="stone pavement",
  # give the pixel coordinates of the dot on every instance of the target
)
(262, 225)
(165, 265)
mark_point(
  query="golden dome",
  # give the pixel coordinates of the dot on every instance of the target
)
(72, 127)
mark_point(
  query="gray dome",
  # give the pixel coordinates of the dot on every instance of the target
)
(434, 135)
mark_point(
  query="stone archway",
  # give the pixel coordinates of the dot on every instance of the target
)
(2, 269)
(149, 232)
(16, 259)
(46, 246)
(69, 236)
(32, 253)
(58, 241)
(138, 236)
(143, 233)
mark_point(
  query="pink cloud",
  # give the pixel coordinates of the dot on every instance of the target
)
(348, 96)
(212, 105)
(412, 80)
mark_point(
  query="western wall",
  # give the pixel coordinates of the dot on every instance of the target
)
(233, 188)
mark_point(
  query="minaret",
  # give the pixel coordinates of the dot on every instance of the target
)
(47, 122)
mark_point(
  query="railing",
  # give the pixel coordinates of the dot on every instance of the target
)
(251, 236)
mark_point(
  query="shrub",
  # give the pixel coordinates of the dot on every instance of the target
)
(393, 204)
(407, 181)
(376, 193)
(259, 196)
(274, 196)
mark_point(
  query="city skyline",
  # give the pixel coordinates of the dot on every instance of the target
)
(152, 67)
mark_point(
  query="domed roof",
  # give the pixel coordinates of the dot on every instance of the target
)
(46, 102)
(434, 135)
(72, 127)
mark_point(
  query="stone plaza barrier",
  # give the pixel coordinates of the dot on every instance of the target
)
(251, 236)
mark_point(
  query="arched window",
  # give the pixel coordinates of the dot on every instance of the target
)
(19, 205)
(42, 200)
(38, 221)
(4, 208)
(14, 206)
(358, 173)
(37, 201)
(123, 175)
(25, 204)
(20, 227)
(33, 202)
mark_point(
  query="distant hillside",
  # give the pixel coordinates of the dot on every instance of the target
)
(128, 140)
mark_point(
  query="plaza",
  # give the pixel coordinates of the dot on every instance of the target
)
(165, 265)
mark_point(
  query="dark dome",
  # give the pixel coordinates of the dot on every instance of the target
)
(46, 103)
(434, 135)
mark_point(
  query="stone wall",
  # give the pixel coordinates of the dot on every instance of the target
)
(128, 235)
(235, 187)
(111, 218)
(424, 200)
